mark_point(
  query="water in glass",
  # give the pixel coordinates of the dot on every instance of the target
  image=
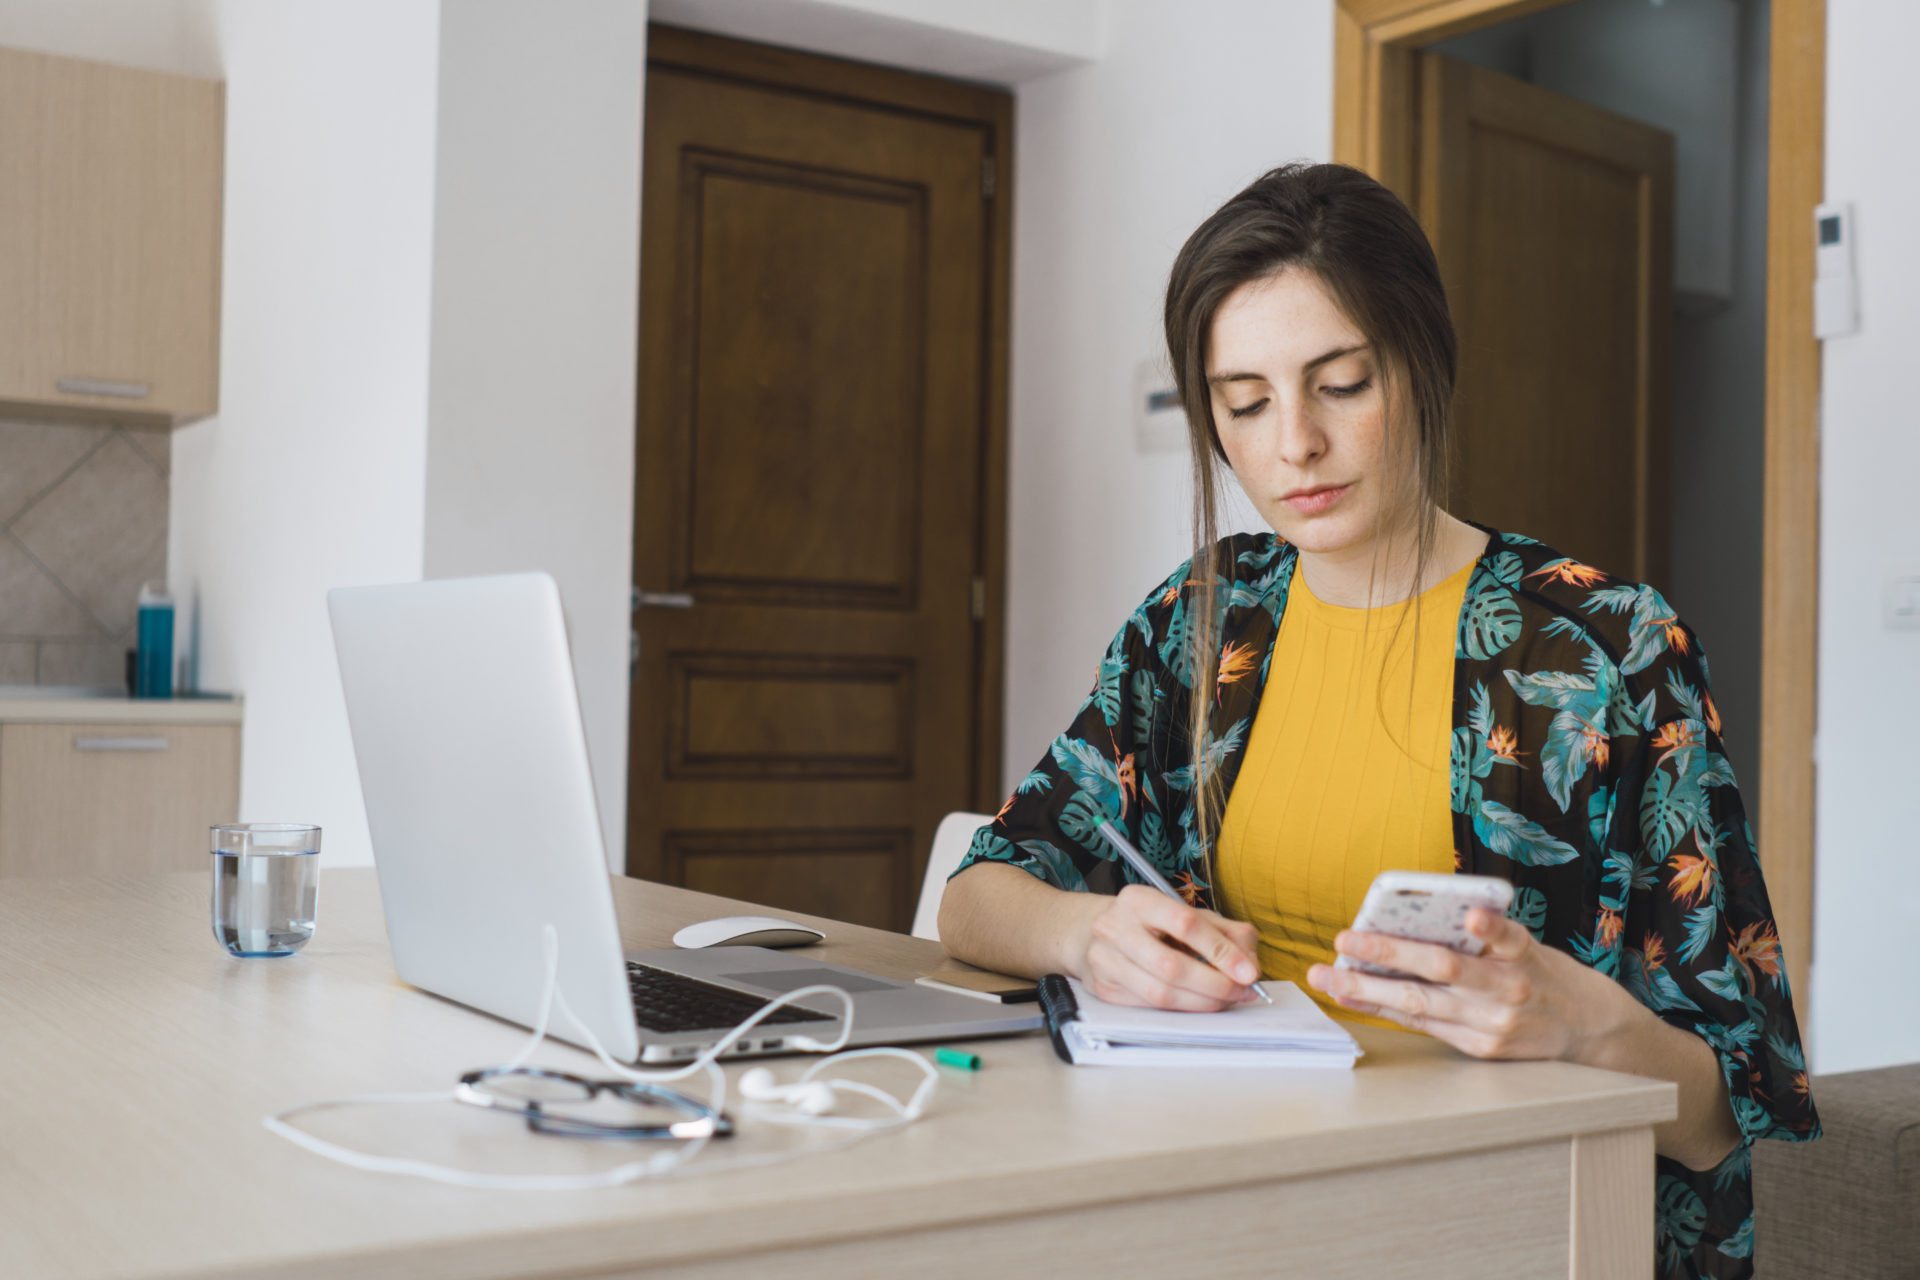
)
(263, 903)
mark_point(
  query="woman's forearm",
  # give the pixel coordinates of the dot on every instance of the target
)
(1705, 1132)
(1001, 918)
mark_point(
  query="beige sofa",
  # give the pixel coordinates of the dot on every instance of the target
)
(1847, 1205)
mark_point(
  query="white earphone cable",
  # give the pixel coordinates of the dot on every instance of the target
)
(662, 1162)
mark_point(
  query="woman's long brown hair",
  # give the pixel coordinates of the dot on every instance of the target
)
(1369, 252)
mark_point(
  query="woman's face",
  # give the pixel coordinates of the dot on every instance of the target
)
(1301, 415)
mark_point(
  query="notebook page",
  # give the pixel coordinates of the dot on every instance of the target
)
(1292, 1021)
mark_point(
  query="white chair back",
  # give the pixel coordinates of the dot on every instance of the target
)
(950, 843)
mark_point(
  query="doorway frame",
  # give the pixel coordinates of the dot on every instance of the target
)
(1374, 128)
(990, 110)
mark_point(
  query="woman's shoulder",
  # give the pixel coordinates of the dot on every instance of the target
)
(1628, 623)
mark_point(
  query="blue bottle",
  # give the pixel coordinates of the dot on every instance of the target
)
(153, 644)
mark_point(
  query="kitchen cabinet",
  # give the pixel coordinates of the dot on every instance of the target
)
(110, 190)
(114, 788)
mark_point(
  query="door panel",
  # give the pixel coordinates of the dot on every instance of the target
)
(1552, 221)
(813, 324)
(818, 716)
(807, 296)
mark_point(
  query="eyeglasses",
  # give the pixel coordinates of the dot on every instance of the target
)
(553, 1102)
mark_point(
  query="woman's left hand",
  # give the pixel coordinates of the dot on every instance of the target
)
(1517, 999)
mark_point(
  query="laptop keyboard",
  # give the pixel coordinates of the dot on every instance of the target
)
(664, 1001)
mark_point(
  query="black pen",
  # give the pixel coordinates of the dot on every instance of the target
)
(1152, 876)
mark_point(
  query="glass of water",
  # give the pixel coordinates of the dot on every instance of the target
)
(265, 885)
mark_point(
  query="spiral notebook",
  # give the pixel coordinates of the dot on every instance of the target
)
(1293, 1031)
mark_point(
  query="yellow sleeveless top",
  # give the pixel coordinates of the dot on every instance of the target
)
(1346, 773)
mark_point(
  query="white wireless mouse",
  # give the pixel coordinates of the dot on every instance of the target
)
(746, 931)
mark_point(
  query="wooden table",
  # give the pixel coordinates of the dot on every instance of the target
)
(139, 1059)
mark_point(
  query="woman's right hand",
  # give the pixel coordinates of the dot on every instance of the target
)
(1143, 948)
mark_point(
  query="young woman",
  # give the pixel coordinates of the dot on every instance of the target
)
(1377, 685)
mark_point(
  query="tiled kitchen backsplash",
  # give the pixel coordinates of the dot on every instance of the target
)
(83, 522)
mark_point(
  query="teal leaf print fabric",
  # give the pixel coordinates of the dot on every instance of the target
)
(1490, 619)
(1587, 769)
(1529, 907)
(1511, 835)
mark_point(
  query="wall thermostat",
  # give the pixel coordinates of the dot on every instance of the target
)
(1836, 298)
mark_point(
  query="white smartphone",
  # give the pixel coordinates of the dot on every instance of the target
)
(1426, 907)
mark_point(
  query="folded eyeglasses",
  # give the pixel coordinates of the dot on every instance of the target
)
(556, 1102)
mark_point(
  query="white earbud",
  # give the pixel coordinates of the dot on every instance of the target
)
(809, 1097)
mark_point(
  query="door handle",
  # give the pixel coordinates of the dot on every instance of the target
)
(119, 744)
(661, 600)
(103, 387)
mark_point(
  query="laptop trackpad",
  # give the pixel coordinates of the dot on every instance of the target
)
(785, 980)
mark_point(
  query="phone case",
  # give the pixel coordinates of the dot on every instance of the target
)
(1425, 907)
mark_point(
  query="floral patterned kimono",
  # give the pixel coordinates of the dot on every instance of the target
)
(1586, 769)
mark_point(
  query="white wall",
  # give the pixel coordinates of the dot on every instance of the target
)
(535, 306)
(313, 474)
(1115, 164)
(1866, 1007)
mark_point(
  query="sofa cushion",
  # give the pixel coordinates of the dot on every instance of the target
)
(1848, 1204)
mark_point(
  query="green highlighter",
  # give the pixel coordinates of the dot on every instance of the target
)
(955, 1058)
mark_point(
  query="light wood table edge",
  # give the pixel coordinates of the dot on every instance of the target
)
(1600, 1131)
(756, 1231)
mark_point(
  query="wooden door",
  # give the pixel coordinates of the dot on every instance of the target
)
(811, 488)
(1552, 221)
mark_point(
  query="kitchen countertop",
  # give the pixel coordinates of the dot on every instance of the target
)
(28, 705)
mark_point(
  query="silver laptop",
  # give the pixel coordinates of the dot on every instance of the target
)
(473, 764)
